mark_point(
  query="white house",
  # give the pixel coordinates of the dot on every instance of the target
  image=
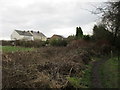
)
(38, 35)
(28, 35)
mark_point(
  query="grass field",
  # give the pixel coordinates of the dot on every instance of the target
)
(14, 49)
(109, 73)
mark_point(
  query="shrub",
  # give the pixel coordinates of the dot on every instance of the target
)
(58, 42)
(78, 43)
(36, 43)
(86, 37)
(103, 46)
(70, 38)
(7, 43)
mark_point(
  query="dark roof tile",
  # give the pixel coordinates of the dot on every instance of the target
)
(23, 33)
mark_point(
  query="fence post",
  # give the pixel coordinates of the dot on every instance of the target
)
(111, 53)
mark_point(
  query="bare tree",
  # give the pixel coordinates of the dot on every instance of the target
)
(111, 18)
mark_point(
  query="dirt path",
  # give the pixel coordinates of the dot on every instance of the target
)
(96, 82)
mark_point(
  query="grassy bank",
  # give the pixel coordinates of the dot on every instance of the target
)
(84, 81)
(15, 49)
(109, 73)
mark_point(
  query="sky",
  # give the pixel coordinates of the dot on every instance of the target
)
(47, 16)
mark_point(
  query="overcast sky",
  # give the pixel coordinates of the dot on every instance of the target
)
(48, 16)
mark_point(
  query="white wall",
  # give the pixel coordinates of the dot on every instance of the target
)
(44, 38)
(16, 36)
(27, 38)
(39, 38)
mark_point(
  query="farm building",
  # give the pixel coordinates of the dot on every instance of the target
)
(28, 35)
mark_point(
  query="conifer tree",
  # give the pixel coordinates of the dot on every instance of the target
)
(79, 32)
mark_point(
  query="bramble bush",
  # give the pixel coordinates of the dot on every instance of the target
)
(36, 43)
(58, 42)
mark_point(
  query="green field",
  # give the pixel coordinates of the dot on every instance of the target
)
(109, 73)
(15, 49)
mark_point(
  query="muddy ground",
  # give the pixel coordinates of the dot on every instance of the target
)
(96, 80)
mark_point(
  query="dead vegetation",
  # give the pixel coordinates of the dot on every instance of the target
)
(47, 67)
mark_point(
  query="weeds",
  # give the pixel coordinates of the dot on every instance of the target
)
(84, 81)
(109, 73)
(55, 63)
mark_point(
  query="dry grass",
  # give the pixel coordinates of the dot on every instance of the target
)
(46, 67)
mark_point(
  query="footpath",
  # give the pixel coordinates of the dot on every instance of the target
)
(96, 81)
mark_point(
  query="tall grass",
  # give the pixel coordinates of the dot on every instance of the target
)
(109, 73)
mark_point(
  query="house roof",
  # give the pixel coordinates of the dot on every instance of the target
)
(56, 36)
(23, 33)
(37, 34)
